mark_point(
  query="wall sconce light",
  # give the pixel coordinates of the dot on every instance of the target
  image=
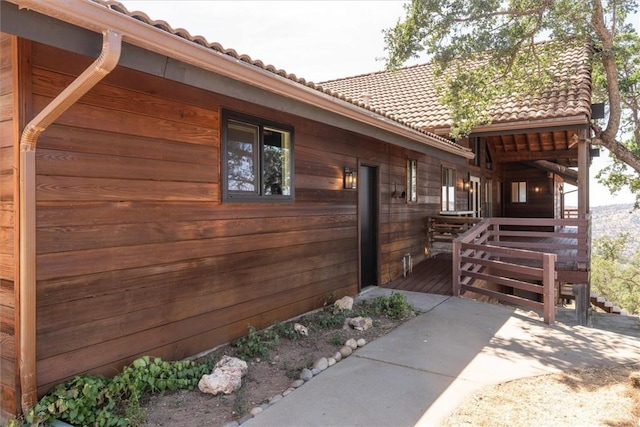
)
(536, 189)
(466, 185)
(349, 179)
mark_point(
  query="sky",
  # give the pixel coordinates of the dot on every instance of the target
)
(316, 40)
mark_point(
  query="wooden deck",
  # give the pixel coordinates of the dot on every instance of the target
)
(432, 276)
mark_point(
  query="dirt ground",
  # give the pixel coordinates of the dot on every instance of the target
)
(588, 397)
(265, 379)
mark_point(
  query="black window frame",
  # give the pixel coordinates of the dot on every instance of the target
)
(261, 124)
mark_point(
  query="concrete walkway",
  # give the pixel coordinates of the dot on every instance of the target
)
(423, 370)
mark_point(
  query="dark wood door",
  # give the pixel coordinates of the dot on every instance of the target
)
(368, 208)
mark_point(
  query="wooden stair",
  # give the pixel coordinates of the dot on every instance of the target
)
(596, 300)
(605, 305)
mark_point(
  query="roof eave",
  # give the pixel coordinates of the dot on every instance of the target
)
(523, 126)
(96, 17)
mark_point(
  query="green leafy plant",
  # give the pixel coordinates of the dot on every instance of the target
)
(101, 401)
(336, 339)
(327, 318)
(395, 306)
(256, 344)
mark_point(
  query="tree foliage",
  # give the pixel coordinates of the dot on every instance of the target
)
(615, 273)
(502, 39)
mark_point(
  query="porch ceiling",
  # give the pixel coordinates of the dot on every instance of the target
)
(557, 146)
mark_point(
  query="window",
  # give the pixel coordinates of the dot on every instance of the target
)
(257, 159)
(412, 180)
(448, 189)
(519, 192)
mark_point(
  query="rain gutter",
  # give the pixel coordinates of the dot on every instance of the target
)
(103, 65)
(95, 17)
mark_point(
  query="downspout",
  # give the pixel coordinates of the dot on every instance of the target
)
(103, 65)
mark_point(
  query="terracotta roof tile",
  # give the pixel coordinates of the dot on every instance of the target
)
(410, 94)
(355, 100)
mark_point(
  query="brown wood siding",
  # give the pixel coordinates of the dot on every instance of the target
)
(8, 180)
(539, 204)
(138, 255)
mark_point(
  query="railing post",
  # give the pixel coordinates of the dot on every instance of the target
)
(456, 268)
(548, 286)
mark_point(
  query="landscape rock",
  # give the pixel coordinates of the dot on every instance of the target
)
(361, 323)
(344, 303)
(274, 399)
(331, 361)
(315, 371)
(287, 391)
(306, 375)
(301, 329)
(361, 342)
(337, 356)
(226, 376)
(321, 364)
(351, 343)
(346, 351)
(255, 411)
(297, 383)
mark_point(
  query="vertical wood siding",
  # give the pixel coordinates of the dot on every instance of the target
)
(8, 375)
(138, 255)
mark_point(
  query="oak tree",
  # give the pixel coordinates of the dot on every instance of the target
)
(504, 36)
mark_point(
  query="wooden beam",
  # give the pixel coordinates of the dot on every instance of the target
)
(583, 177)
(536, 155)
(569, 175)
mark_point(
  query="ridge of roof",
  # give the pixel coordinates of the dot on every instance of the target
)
(116, 6)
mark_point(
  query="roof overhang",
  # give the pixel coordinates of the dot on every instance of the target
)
(524, 126)
(97, 18)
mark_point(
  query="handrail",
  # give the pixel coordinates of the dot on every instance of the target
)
(518, 270)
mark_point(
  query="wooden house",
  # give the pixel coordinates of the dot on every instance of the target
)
(160, 193)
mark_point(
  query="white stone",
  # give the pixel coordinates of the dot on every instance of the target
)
(274, 399)
(351, 343)
(305, 374)
(255, 411)
(321, 364)
(287, 391)
(361, 342)
(346, 351)
(297, 383)
(315, 371)
(331, 361)
(361, 323)
(301, 329)
(344, 303)
(226, 376)
(219, 382)
(337, 356)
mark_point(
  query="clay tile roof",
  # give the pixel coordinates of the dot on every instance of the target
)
(410, 94)
(180, 32)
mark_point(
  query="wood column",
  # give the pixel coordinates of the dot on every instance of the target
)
(583, 175)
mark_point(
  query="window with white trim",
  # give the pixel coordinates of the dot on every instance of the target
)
(448, 189)
(412, 180)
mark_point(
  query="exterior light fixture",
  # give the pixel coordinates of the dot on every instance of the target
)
(466, 186)
(349, 179)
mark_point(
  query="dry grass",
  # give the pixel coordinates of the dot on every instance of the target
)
(589, 397)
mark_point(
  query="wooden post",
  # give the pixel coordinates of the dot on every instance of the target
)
(456, 268)
(583, 177)
(582, 302)
(548, 286)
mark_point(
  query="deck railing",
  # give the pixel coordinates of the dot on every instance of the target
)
(443, 229)
(516, 259)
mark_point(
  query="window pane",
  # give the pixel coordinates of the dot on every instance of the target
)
(448, 189)
(276, 175)
(523, 192)
(242, 157)
(412, 180)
